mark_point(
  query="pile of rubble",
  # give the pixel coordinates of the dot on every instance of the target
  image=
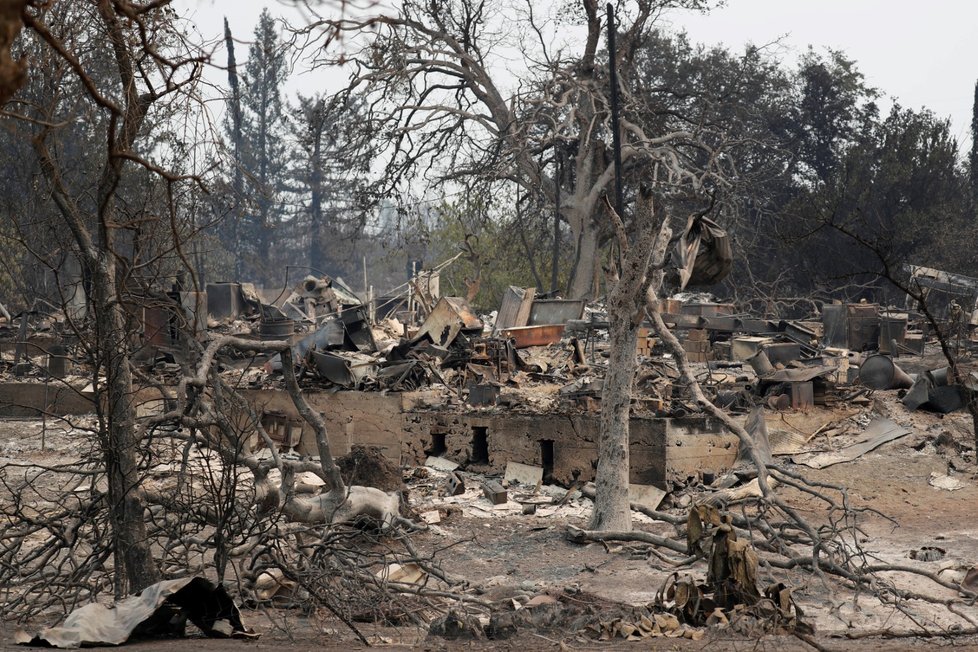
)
(534, 342)
(557, 348)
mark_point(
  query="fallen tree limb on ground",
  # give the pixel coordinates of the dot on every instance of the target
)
(577, 535)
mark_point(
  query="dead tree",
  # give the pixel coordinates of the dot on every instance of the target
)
(625, 314)
(62, 527)
(429, 73)
(123, 31)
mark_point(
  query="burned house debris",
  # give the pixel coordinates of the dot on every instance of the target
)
(523, 388)
(499, 416)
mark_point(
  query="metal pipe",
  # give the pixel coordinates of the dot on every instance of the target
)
(615, 111)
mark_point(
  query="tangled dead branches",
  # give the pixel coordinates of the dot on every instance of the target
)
(769, 534)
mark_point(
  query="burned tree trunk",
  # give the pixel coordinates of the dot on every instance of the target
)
(583, 273)
(237, 140)
(118, 440)
(611, 507)
(626, 305)
(94, 228)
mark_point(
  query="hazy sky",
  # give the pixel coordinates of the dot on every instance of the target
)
(923, 54)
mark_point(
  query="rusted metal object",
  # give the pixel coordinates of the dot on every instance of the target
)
(854, 326)
(893, 332)
(224, 300)
(494, 492)
(58, 361)
(534, 335)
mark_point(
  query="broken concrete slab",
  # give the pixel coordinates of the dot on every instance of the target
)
(455, 486)
(352, 417)
(645, 495)
(36, 399)
(945, 482)
(524, 474)
(440, 463)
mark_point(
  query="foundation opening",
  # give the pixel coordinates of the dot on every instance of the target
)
(480, 445)
(547, 459)
(438, 445)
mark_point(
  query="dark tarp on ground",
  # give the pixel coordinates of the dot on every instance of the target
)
(159, 610)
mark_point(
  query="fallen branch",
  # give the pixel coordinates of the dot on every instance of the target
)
(577, 535)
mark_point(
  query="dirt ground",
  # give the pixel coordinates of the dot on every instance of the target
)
(506, 555)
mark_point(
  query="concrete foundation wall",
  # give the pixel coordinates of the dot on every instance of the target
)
(366, 418)
(566, 445)
(35, 399)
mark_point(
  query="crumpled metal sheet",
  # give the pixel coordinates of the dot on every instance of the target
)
(703, 253)
(878, 432)
(450, 316)
(345, 369)
(159, 610)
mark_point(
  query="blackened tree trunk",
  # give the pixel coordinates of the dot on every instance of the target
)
(264, 147)
(317, 226)
(611, 507)
(117, 435)
(237, 185)
(95, 236)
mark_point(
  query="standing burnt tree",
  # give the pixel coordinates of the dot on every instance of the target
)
(101, 108)
(440, 94)
(256, 125)
(432, 72)
(117, 64)
(329, 177)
